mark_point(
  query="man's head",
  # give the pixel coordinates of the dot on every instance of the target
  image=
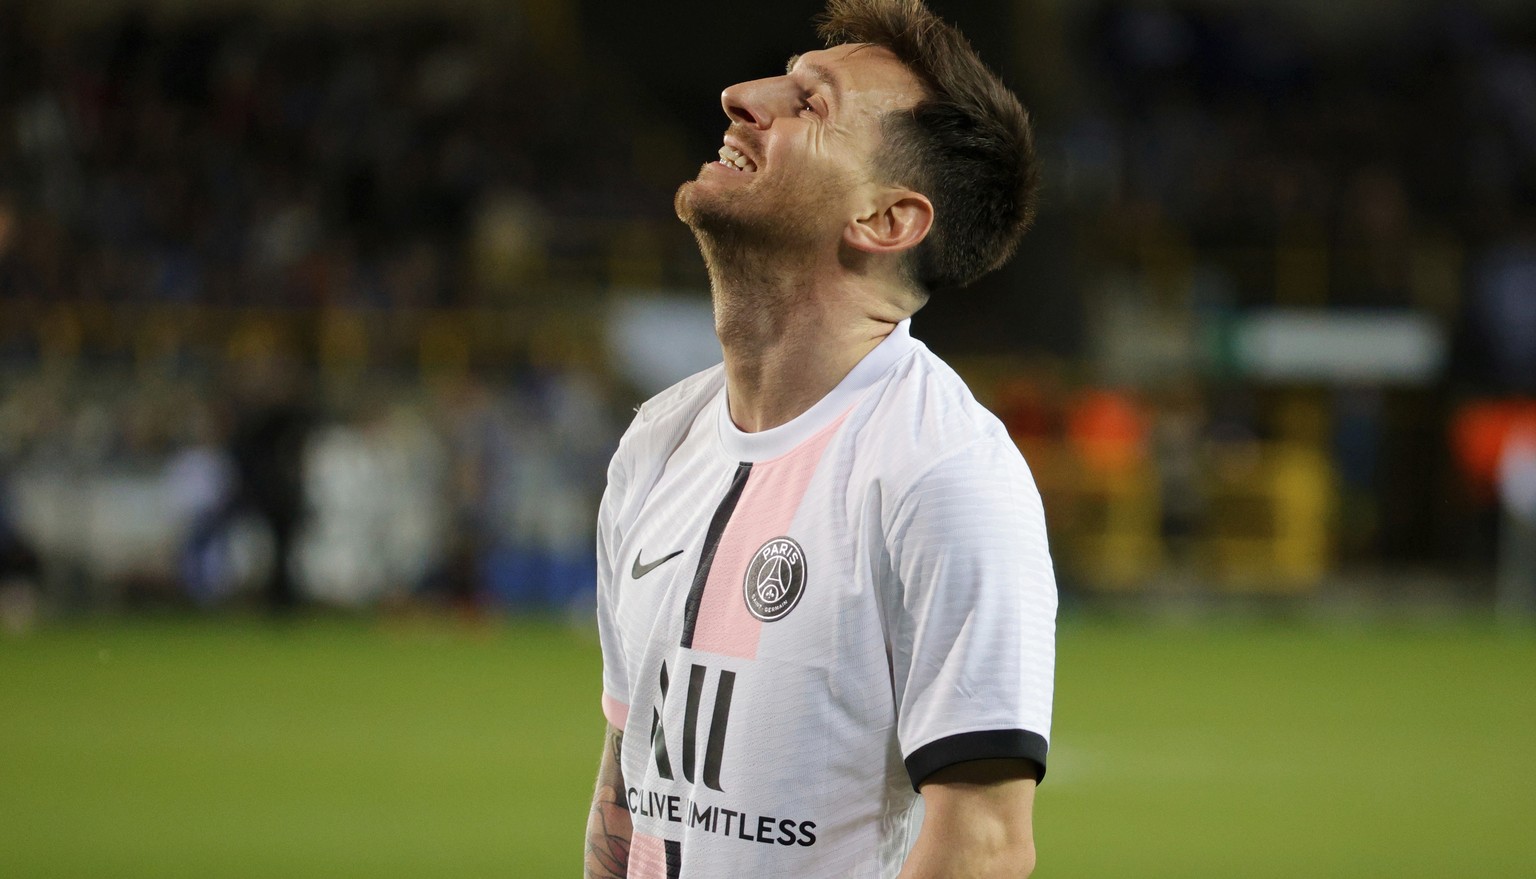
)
(894, 142)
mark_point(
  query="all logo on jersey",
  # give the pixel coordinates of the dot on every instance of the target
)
(704, 731)
(714, 737)
(775, 579)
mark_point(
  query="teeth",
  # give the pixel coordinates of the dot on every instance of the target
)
(731, 156)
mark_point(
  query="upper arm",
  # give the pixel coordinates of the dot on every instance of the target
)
(973, 645)
(609, 825)
(615, 689)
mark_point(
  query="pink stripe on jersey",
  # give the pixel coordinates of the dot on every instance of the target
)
(768, 504)
(647, 857)
(616, 712)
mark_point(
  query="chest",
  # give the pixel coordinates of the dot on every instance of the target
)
(769, 560)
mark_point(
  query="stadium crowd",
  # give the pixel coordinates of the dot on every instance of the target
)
(1242, 128)
(1202, 160)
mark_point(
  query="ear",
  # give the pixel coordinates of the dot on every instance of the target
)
(898, 222)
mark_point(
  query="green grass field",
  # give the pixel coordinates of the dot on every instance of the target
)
(352, 748)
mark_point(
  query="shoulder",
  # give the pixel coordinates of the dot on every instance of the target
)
(661, 422)
(681, 401)
(925, 425)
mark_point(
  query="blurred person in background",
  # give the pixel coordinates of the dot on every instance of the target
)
(1517, 534)
(20, 571)
(374, 488)
(272, 427)
(15, 280)
(200, 479)
(483, 438)
(7, 226)
(824, 586)
(1503, 304)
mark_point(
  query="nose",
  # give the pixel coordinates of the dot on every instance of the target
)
(755, 103)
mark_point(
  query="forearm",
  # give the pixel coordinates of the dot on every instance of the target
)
(977, 823)
(608, 824)
(969, 858)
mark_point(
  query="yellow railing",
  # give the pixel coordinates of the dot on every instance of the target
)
(1266, 526)
(150, 338)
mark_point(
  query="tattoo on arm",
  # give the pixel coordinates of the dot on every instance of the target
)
(608, 831)
(608, 824)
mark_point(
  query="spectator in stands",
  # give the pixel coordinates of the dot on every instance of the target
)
(20, 571)
(272, 425)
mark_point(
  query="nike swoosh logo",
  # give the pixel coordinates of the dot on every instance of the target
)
(638, 570)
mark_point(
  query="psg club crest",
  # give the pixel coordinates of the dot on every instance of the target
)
(775, 579)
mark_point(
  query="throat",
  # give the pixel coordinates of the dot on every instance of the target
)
(778, 364)
(760, 310)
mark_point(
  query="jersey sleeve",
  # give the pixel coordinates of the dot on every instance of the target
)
(615, 698)
(973, 640)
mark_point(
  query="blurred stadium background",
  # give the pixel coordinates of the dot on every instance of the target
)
(333, 313)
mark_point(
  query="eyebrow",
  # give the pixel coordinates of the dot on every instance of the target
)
(821, 74)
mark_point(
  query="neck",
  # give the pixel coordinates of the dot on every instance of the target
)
(791, 330)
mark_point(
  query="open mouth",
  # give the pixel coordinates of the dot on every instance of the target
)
(734, 158)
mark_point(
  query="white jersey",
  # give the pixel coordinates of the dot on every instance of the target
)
(800, 625)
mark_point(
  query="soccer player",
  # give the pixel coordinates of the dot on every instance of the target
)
(825, 601)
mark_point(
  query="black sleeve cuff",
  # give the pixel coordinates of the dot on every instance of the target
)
(991, 744)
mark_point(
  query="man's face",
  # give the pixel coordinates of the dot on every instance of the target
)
(797, 160)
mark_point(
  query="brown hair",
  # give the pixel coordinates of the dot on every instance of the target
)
(967, 144)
